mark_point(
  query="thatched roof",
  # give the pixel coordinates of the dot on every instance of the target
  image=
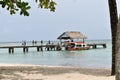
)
(72, 35)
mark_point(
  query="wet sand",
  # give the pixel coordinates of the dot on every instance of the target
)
(36, 72)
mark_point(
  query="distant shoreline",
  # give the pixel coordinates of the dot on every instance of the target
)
(40, 65)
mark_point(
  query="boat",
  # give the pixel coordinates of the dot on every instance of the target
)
(76, 46)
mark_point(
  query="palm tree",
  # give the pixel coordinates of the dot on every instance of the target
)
(114, 21)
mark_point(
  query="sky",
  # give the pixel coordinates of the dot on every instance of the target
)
(90, 17)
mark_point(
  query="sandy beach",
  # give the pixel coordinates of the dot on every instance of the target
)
(37, 72)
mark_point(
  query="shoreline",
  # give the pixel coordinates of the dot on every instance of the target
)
(43, 72)
(22, 64)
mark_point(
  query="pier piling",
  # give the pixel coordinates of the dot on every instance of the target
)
(25, 49)
(11, 50)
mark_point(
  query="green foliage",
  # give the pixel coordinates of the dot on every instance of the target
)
(47, 4)
(17, 5)
(23, 6)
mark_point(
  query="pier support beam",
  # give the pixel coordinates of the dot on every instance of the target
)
(104, 45)
(39, 48)
(11, 50)
(25, 49)
(48, 48)
(94, 46)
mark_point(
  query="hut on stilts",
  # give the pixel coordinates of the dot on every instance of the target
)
(71, 35)
(72, 45)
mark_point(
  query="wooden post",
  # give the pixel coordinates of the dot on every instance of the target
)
(104, 45)
(48, 49)
(60, 41)
(94, 46)
(38, 49)
(25, 49)
(41, 48)
(11, 50)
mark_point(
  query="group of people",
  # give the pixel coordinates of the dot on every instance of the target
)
(34, 42)
(24, 43)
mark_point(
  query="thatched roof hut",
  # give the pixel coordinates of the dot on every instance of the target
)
(72, 35)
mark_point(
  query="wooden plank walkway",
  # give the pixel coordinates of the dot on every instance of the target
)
(47, 47)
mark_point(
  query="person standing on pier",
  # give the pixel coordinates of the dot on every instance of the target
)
(41, 42)
(24, 43)
(32, 42)
(35, 42)
(49, 42)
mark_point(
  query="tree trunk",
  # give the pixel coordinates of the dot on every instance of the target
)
(118, 51)
(113, 21)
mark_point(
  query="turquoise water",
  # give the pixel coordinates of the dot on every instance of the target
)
(94, 58)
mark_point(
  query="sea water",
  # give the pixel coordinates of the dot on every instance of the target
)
(93, 58)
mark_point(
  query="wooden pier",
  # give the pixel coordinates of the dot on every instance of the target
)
(48, 47)
(38, 47)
